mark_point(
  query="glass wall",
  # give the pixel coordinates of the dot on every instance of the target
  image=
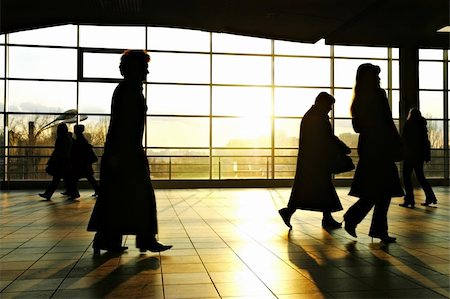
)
(220, 106)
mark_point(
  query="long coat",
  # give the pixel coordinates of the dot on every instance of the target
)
(59, 162)
(376, 174)
(313, 188)
(82, 157)
(126, 203)
(415, 140)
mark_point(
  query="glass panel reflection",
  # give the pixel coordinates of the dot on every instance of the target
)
(230, 43)
(175, 39)
(177, 132)
(95, 97)
(302, 71)
(252, 70)
(242, 101)
(241, 132)
(344, 99)
(123, 37)
(431, 75)
(42, 63)
(101, 65)
(295, 101)
(65, 35)
(287, 133)
(431, 104)
(41, 96)
(436, 133)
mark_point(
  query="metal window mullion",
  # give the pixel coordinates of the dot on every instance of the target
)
(446, 120)
(5, 114)
(272, 75)
(210, 108)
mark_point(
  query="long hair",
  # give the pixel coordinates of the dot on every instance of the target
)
(366, 82)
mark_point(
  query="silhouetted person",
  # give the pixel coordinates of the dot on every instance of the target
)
(313, 188)
(58, 164)
(82, 158)
(417, 151)
(376, 177)
(126, 202)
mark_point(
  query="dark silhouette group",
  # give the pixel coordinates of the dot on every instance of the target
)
(126, 203)
(71, 159)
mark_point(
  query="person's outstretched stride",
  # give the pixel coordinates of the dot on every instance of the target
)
(58, 164)
(417, 151)
(376, 177)
(318, 147)
(126, 202)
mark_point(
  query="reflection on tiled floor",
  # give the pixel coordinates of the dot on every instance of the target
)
(228, 243)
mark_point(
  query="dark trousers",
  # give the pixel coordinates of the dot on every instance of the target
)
(55, 182)
(359, 210)
(417, 166)
(91, 180)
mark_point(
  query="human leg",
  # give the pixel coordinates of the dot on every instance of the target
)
(409, 193)
(147, 241)
(51, 188)
(429, 194)
(356, 213)
(329, 222)
(379, 225)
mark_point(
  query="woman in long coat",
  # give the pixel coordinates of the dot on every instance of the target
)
(313, 188)
(58, 164)
(126, 203)
(376, 177)
(417, 151)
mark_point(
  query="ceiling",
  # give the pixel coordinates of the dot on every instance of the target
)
(396, 23)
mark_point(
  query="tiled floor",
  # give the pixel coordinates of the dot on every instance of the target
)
(228, 243)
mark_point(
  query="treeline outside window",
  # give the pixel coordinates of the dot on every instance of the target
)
(220, 106)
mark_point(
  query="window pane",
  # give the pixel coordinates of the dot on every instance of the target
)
(436, 133)
(302, 71)
(363, 52)
(345, 71)
(42, 63)
(178, 39)
(344, 130)
(229, 43)
(242, 101)
(431, 75)
(344, 98)
(41, 96)
(101, 65)
(95, 97)
(179, 68)
(241, 132)
(293, 48)
(395, 74)
(178, 99)
(95, 130)
(436, 167)
(65, 35)
(2, 95)
(229, 69)
(295, 101)
(112, 37)
(177, 132)
(287, 132)
(431, 54)
(432, 104)
(395, 104)
(2, 61)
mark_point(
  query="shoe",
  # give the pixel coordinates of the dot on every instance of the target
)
(73, 197)
(385, 239)
(65, 193)
(155, 246)
(330, 223)
(429, 202)
(286, 216)
(406, 205)
(43, 195)
(350, 229)
(119, 249)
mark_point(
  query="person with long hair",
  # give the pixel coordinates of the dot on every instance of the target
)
(376, 178)
(126, 204)
(417, 151)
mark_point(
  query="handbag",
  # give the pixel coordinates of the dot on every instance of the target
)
(342, 163)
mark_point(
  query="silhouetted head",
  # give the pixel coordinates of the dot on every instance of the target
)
(367, 75)
(78, 129)
(324, 101)
(414, 113)
(134, 64)
(62, 130)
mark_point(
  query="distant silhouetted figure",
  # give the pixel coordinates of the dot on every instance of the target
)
(417, 151)
(318, 148)
(82, 158)
(126, 202)
(58, 164)
(376, 177)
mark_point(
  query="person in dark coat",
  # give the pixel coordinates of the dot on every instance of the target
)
(82, 158)
(417, 151)
(126, 202)
(313, 188)
(376, 177)
(58, 164)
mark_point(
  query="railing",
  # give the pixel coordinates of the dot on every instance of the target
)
(201, 167)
